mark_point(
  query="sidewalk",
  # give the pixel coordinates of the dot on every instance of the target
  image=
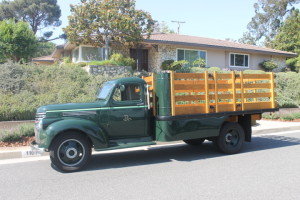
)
(262, 127)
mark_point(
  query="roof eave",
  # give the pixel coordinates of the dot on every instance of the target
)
(291, 55)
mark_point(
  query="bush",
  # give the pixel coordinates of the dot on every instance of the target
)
(288, 117)
(268, 65)
(294, 64)
(12, 77)
(120, 60)
(103, 62)
(25, 130)
(288, 89)
(45, 85)
(270, 116)
(296, 115)
(173, 65)
(67, 60)
(165, 65)
(199, 63)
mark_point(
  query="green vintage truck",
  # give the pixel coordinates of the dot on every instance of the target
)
(167, 106)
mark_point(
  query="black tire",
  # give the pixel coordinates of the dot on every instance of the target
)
(195, 142)
(231, 138)
(70, 151)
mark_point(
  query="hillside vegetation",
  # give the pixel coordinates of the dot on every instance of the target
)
(24, 88)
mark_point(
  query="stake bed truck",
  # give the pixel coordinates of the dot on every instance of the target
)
(167, 106)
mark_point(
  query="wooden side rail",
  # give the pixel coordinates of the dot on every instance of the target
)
(195, 93)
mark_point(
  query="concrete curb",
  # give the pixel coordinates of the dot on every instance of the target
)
(28, 152)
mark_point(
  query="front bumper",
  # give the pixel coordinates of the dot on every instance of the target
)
(34, 146)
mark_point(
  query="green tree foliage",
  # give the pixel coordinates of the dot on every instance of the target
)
(38, 13)
(162, 28)
(17, 41)
(247, 39)
(99, 22)
(288, 37)
(294, 64)
(269, 15)
(44, 49)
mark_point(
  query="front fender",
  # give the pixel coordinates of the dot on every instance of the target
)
(91, 129)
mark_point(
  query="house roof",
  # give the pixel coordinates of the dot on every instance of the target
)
(44, 59)
(194, 41)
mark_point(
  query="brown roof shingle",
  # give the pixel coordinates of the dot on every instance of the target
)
(186, 40)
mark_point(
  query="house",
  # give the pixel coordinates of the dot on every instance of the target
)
(159, 47)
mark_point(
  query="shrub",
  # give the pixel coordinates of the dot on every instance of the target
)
(294, 64)
(67, 60)
(165, 65)
(288, 89)
(296, 115)
(12, 77)
(270, 116)
(268, 65)
(288, 117)
(25, 130)
(173, 65)
(214, 69)
(199, 63)
(103, 62)
(44, 85)
(254, 72)
(120, 60)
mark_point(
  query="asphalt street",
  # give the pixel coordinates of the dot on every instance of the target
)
(267, 168)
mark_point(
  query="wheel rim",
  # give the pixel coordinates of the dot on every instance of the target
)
(232, 138)
(71, 152)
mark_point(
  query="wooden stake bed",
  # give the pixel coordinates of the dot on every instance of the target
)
(204, 93)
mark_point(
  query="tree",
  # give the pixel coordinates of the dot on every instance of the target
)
(269, 15)
(288, 37)
(162, 28)
(17, 41)
(99, 22)
(247, 39)
(44, 49)
(38, 13)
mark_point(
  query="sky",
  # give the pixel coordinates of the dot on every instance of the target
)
(218, 19)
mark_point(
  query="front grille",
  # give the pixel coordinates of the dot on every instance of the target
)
(39, 116)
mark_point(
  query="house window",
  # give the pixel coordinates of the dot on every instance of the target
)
(190, 56)
(239, 60)
(92, 53)
(75, 55)
(87, 54)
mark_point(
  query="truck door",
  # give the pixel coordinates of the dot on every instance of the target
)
(128, 111)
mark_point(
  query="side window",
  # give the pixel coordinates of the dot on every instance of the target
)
(128, 92)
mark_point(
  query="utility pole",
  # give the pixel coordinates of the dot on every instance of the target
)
(178, 22)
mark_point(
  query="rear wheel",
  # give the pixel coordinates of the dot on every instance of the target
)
(194, 142)
(70, 151)
(231, 138)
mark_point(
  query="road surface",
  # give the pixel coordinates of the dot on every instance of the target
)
(267, 168)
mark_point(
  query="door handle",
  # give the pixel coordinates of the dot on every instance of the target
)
(140, 104)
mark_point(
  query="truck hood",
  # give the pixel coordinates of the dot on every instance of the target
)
(70, 106)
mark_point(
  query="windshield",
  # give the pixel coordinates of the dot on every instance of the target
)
(104, 92)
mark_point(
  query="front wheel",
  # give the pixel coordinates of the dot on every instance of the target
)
(231, 138)
(70, 151)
